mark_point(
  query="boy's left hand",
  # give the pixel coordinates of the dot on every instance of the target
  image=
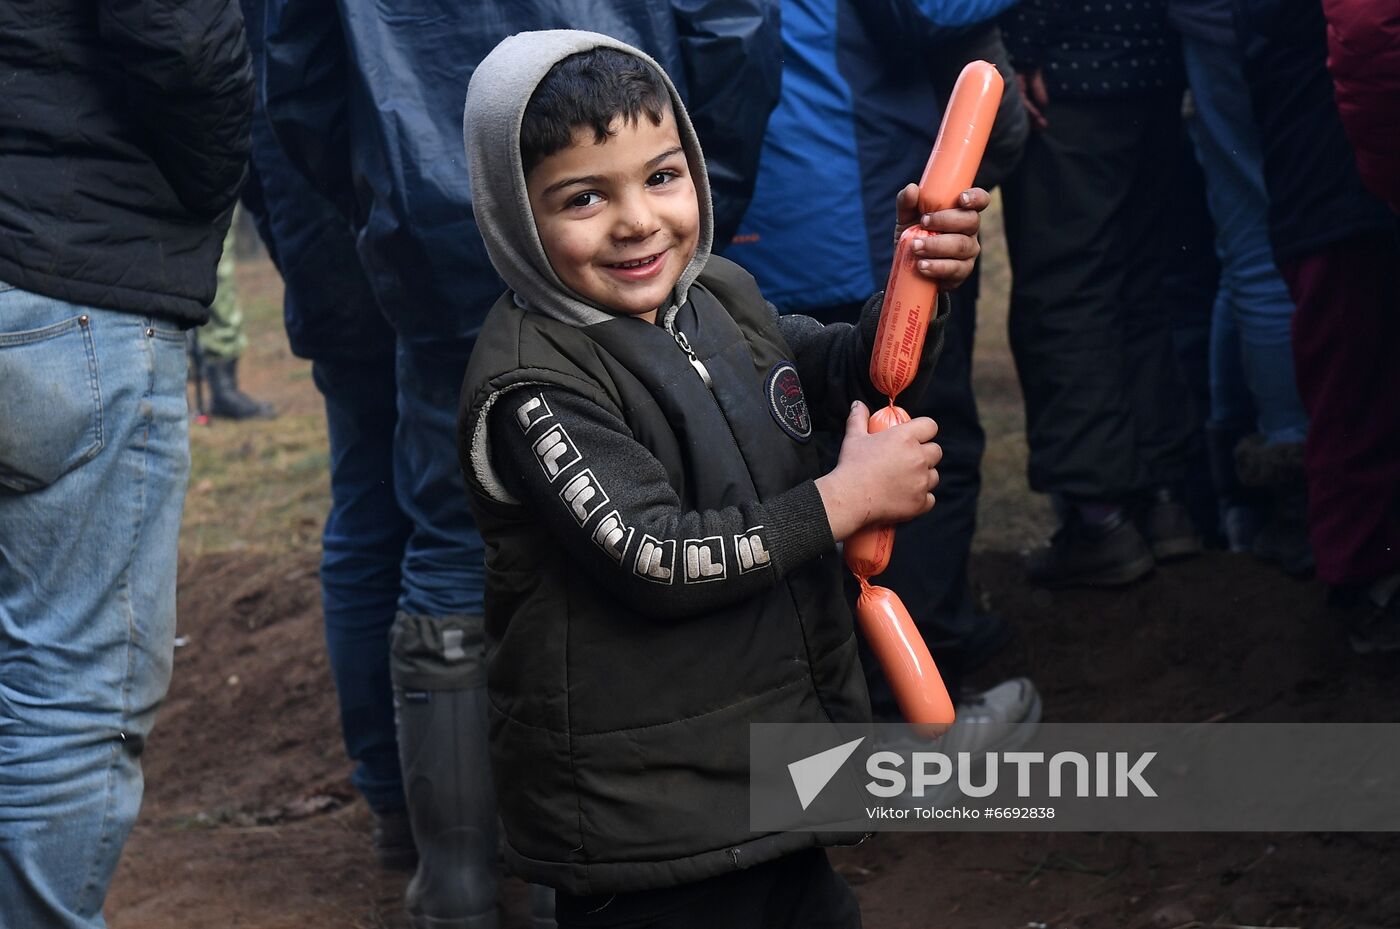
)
(945, 258)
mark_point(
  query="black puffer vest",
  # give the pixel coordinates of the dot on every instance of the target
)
(620, 742)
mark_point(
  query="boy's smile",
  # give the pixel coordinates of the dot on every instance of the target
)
(619, 220)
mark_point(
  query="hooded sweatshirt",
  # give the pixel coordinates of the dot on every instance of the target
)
(660, 570)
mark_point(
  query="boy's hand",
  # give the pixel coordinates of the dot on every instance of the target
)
(883, 478)
(945, 258)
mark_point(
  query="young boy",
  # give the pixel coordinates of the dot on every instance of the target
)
(636, 430)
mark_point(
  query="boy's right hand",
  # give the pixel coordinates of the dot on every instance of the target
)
(883, 478)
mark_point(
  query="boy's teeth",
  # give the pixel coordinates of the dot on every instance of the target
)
(635, 264)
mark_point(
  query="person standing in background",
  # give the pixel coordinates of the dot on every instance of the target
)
(332, 319)
(1254, 394)
(1107, 419)
(1344, 275)
(222, 343)
(123, 144)
(366, 102)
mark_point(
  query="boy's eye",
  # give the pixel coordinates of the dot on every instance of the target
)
(661, 177)
(585, 199)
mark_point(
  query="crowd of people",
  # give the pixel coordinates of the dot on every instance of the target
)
(1200, 202)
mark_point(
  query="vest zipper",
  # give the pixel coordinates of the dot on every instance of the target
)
(704, 373)
(695, 362)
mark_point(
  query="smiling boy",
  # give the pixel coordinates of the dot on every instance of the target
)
(635, 431)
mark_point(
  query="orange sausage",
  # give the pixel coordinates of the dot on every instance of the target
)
(910, 302)
(962, 139)
(868, 550)
(911, 299)
(917, 685)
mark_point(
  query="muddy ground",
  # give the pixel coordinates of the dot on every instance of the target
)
(250, 821)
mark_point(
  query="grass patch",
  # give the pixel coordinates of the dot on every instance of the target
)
(261, 485)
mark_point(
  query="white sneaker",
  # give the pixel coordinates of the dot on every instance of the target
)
(1000, 719)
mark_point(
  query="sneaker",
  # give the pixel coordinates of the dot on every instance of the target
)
(393, 841)
(1379, 628)
(1167, 528)
(1001, 719)
(1080, 554)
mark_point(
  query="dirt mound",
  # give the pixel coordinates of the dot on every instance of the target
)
(251, 723)
(1221, 637)
(250, 821)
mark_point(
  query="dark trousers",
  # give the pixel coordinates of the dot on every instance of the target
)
(1345, 335)
(928, 568)
(362, 548)
(799, 891)
(1107, 413)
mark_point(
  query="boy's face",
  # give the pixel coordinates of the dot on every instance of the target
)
(618, 219)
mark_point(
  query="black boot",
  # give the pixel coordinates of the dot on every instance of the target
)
(1081, 554)
(1166, 526)
(225, 399)
(393, 841)
(438, 668)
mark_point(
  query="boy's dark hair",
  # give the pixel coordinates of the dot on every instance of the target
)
(590, 88)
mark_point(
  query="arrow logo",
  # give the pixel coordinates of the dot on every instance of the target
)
(811, 775)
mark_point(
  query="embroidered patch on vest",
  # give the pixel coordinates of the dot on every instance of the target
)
(787, 403)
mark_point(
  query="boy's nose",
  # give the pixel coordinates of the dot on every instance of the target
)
(635, 219)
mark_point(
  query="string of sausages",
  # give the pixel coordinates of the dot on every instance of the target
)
(910, 302)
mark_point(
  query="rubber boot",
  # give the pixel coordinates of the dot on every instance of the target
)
(438, 669)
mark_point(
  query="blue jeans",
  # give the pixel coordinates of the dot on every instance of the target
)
(399, 536)
(444, 571)
(1252, 376)
(362, 550)
(94, 459)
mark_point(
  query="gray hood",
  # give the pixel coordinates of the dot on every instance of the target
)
(496, 98)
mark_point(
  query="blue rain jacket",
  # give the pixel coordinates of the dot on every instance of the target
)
(856, 120)
(329, 310)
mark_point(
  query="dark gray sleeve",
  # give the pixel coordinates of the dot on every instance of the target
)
(833, 361)
(607, 500)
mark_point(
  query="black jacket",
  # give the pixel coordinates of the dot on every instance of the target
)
(1316, 196)
(633, 636)
(123, 143)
